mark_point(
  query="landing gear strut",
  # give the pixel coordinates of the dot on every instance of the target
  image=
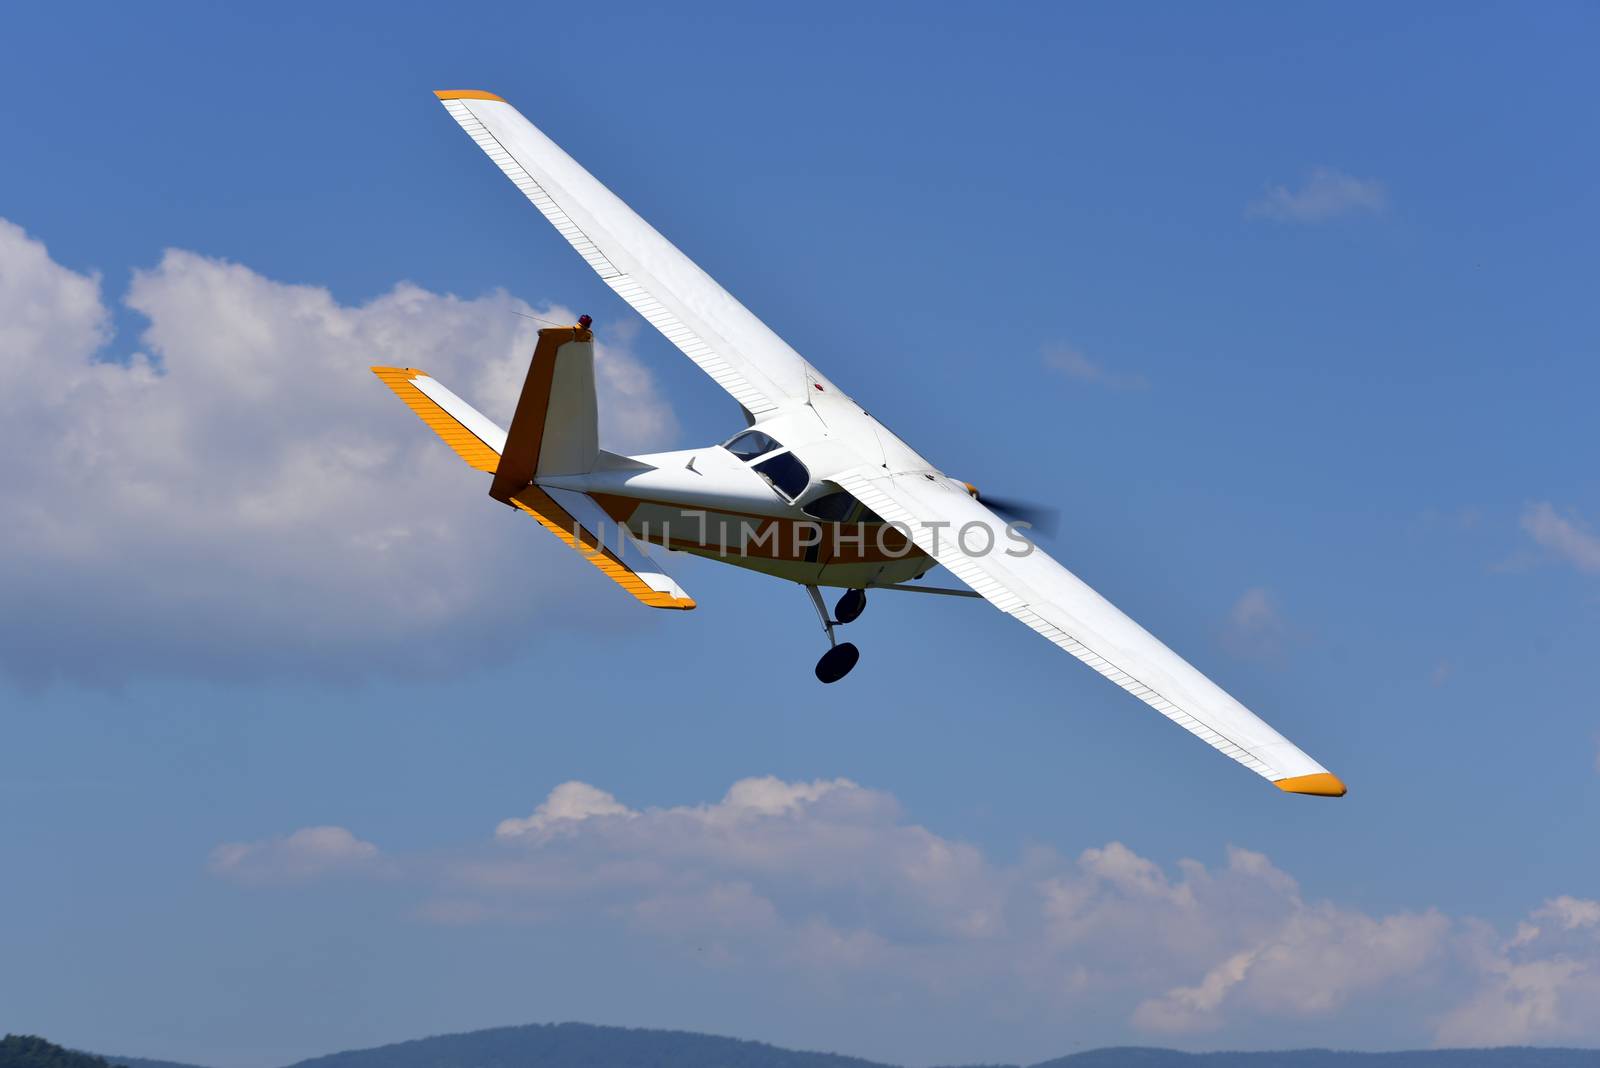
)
(841, 656)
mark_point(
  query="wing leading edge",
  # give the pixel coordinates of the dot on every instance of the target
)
(738, 350)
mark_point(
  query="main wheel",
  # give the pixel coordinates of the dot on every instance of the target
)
(837, 662)
(850, 606)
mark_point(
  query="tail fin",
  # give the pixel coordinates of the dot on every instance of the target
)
(555, 430)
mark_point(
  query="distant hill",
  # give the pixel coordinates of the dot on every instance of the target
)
(586, 1046)
(31, 1051)
(572, 1045)
(145, 1062)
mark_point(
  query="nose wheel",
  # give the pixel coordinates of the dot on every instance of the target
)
(841, 656)
(837, 662)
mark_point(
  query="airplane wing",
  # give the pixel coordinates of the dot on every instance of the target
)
(1057, 604)
(739, 351)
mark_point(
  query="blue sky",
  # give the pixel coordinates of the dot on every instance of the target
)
(1291, 312)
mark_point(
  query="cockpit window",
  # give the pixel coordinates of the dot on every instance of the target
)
(836, 507)
(839, 507)
(788, 475)
(750, 444)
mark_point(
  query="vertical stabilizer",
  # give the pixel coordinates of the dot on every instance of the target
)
(556, 427)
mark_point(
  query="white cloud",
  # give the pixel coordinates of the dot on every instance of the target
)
(1319, 958)
(766, 844)
(1072, 363)
(573, 802)
(1325, 194)
(1254, 627)
(243, 496)
(569, 803)
(1563, 537)
(309, 853)
(827, 884)
(1540, 986)
(1251, 945)
(1570, 913)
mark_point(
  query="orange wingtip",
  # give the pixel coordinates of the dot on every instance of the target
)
(1320, 785)
(466, 94)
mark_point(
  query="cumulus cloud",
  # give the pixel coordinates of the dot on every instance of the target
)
(308, 853)
(569, 803)
(1072, 363)
(1242, 931)
(830, 883)
(573, 802)
(1309, 965)
(1325, 194)
(1564, 538)
(242, 495)
(1541, 985)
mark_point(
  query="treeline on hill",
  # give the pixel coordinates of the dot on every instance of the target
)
(30, 1051)
(582, 1046)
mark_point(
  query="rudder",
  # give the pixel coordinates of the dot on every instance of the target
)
(556, 427)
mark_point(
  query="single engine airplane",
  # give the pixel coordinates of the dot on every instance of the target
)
(813, 490)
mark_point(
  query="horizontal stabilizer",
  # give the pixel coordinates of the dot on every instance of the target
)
(575, 518)
(580, 523)
(466, 430)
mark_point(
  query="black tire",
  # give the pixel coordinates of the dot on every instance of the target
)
(850, 606)
(837, 662)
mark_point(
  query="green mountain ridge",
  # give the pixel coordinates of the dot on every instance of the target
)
(575, 1045)
(31, 1051)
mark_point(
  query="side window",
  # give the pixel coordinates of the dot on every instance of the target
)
(833, 507)
(788, 475)
(750, 444)
(840, 507)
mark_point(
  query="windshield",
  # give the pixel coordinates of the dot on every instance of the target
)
(750, 444)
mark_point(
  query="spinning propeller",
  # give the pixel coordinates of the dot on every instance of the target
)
(1037, 517)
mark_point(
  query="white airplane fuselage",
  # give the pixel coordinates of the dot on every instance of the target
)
(713, 503)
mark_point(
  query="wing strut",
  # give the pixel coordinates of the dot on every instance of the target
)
(940, 590)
